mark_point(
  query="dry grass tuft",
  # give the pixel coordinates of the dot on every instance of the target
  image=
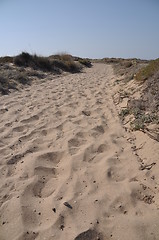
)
(148, 71)
(85, 62)
(24, 68)
(65, 62)
(54, 63)
(6, 59)
(36, 62)
(12, 78)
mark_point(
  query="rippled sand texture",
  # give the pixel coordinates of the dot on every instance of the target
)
(67, 166)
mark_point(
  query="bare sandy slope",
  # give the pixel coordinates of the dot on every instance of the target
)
(68, 169)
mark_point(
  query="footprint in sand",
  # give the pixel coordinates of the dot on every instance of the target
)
(49, 158)
(17, 157)
(45, 172)
(30, 119)
(89, 234)
(97, 131)
(42, 188)
(114, 174)
(44, 132)
(29, 217)
(102, 148)
(19, 129)
(94, 150)
(74, 144)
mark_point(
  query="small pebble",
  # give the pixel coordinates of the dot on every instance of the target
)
(67, 205)
(54, 210)
(62, 227)
(60, 198)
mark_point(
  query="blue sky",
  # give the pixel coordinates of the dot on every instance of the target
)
(86, 28)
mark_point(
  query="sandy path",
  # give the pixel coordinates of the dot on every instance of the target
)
(62, 141)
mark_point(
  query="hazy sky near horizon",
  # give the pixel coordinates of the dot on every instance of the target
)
(86, 28)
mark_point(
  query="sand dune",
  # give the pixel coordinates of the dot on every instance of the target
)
(69, 170)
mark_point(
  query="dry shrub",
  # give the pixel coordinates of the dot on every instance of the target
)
(6, 59)
(65, 62)
(85, 62)
(54, 63)
(34, 61)
(6, 84)
(148, 71)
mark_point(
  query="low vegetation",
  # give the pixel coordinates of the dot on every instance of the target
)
(126, 68)
(11, 78)
(84, 61)
(141, 119)
(143, 111)
(5, 85)
(148, 71)
(6, 59)
(54, 63)
(23, 68)
(65, 62)
(26, 60)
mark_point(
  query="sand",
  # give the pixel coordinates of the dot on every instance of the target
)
(69, 169)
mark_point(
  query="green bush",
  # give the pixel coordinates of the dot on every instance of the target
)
(124, 112)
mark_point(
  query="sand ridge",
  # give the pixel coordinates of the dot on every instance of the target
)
(68, 167)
